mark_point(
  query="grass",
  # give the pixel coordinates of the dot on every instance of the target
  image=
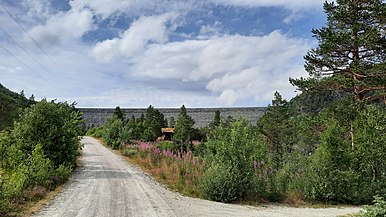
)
(36, 199)
(170, 174)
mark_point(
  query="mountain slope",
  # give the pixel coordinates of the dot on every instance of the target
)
(10, 105)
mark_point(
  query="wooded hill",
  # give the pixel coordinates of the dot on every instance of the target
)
(10, 105)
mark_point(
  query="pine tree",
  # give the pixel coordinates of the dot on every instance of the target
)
(351, 53)
(118, 113)
(154, 121)
(184, 127)
(273, 126)
(217, 118)
(172, 122)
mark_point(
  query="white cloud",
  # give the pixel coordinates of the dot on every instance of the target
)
(207, 31)
(37, 9)
(134, 40)
(211, 69)
(104, 8)
(235, 67)
(290, 4)
(136, 8)
(63, 27)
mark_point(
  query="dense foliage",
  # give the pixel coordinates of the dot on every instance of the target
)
(232, 150)
(378, 209)
(118, 131)
(39, 153)
(52, 125)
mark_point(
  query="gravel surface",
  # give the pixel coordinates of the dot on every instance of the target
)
(107, 185)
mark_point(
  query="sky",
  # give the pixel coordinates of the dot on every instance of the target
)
(165, 53)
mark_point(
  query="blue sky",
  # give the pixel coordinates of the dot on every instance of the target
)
(133, 53)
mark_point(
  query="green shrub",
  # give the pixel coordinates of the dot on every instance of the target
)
(62, 173)
(112, 131)
(222, 183)
(40, 168)
(128, 152)
(53, 125)
(234, 147)
(12, 185)
(166, 145)
(376, 210)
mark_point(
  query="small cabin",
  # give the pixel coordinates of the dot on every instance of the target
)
(167, 133)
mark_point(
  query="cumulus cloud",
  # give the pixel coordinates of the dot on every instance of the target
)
(133, 41)
(63, 27)
(206, 67)
(235, 67)
(207, 31)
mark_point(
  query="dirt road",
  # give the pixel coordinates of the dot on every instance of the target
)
(106, 185)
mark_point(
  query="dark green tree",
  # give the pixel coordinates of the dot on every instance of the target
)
(153, 123)
(184, 127)
(351, 53)
(119, 113)
(217, 118)
(172, 122)
(112, 132)
(53, 125)
(273, 127)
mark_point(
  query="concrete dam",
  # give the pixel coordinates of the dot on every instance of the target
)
(202, 116)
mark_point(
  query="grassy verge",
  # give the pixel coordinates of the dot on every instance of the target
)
(181, 172)
(34, 198)
(29, 207)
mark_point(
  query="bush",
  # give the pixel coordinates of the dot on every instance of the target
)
(62, 173)
(232, 149)
(128, 152)
(222, 183)
(53, 125)
(12, 185)
(32, 158)
(40, 168)
(112, 131)
(376, 210)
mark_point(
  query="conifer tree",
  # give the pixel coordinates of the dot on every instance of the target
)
(217, 118)
(184, 127)
(351, 53)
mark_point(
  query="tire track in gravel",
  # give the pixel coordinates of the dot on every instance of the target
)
(106, 185)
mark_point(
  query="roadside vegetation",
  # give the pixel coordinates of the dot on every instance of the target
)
(38, 149)
(327, 144)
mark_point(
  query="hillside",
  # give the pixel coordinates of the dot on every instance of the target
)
(10, 105)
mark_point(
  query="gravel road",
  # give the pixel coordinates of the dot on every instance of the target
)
(106, 185)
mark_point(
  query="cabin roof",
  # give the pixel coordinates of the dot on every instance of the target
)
(167, 130)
